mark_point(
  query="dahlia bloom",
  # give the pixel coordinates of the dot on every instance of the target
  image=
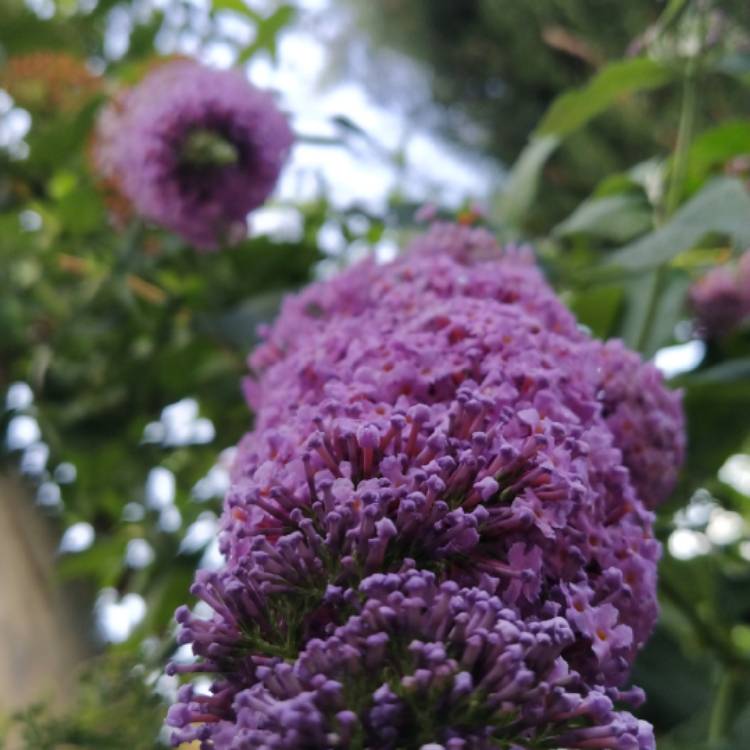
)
(721, 298)
(437, 532)
(193, 149)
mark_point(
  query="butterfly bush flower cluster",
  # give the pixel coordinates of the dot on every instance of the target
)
(438, 534)
(193, 149)
(721, 298)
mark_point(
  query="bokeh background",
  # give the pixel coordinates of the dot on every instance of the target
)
(613, 136)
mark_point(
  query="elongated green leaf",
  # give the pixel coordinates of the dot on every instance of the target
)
(238, 326)
(726, 372)
(616, 217)
(350, 128)
(569, 112)
(669, 310)
(722, 207)
(638, 292)
(238, 6)
(597, 308)
(521, 188)
(575, 108)
(714, 147)
(615, 184)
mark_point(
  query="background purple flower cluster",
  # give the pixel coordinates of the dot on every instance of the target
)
(721, 298)
(437, 534)
(193, 149)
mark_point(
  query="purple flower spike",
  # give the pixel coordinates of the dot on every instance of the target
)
(440, 522)
(721, 298)
(193, 149)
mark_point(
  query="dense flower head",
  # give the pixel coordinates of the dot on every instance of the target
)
(422, 664)
(49, 82)
(646, 420)
(721, 298)
(442, 423)
(193, 149)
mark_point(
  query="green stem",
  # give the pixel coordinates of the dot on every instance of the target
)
(684, 138)
(678, 173)
(720, 713)
(652, 304)
(672, 13)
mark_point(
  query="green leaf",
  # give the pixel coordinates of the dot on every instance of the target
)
(81, 210)
(635, 319)
(617, 217)
(714, 147)
(670, 305)
(238, 326)
(349, 127)
(655, 304)
(143, 38)
(575, 108)
(616, 184)
(267, 32)
(57, 142)
(568, 113)
(238, 6)
(722, 207)
(726, 372)
(597, 308)
(520, 190)
(662, 656)
(717, 425)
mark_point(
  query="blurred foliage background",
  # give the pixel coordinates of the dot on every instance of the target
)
(617, 139)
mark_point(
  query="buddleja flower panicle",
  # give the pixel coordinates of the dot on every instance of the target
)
(193, 149)
(721, 298)
(438, 423)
